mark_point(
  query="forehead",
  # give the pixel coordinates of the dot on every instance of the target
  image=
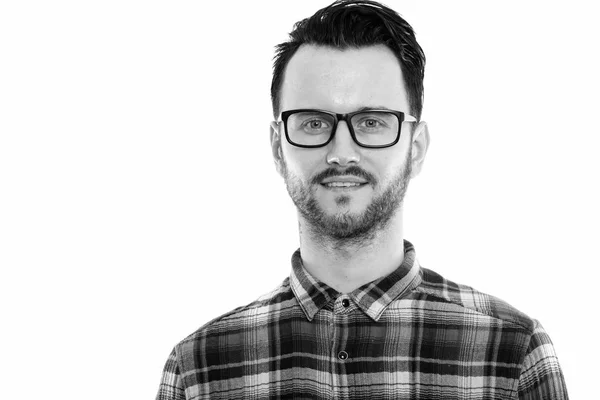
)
(343, 80)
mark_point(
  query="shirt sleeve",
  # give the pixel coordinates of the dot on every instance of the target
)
(171, 387)
(541, 376)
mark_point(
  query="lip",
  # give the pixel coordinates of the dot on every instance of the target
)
(343, 179)
(343, 189)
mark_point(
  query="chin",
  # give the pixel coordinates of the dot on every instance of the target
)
(344, 205)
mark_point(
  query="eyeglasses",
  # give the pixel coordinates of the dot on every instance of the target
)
(369, 128)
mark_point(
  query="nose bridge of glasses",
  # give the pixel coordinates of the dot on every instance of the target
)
(346, 120)
(342, 140)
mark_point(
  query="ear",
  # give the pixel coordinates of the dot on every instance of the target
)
(420, 144)
(276, 147)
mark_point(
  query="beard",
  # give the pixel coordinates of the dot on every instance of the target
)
(344, 229)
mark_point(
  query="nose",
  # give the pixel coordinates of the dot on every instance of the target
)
(342, 148)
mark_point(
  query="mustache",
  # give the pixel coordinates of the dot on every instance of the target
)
(350, 171)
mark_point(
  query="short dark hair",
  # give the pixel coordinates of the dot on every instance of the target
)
(356, 23)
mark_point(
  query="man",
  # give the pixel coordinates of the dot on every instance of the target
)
(358, 317)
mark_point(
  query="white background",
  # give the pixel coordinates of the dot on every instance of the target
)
(138, 197)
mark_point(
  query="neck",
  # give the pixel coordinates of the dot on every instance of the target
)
(347, 265)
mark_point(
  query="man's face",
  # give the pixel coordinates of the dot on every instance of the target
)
(342, 82)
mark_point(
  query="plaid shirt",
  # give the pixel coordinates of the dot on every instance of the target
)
(409, 335)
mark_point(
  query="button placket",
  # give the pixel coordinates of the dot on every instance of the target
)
(342, 312)
(339, 353)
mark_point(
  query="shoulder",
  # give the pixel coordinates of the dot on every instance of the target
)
(463, 296)
(238, 318)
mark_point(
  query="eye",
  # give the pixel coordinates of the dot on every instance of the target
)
(371, 123)
(374, 122)
(315, 125)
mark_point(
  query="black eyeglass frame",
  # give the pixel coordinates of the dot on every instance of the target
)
(402, 117)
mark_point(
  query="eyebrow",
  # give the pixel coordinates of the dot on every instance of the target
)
(373, 108)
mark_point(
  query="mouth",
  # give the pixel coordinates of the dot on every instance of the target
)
(343, 186)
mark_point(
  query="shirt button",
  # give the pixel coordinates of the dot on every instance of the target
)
(346, 303)
(342, 355)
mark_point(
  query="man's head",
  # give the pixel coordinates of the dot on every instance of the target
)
(349, 57)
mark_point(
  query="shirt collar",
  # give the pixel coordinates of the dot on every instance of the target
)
(372, 298)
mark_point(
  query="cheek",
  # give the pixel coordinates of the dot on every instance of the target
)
(304, 163)
(390, 165)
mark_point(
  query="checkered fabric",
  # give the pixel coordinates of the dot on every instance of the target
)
(409, 335)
